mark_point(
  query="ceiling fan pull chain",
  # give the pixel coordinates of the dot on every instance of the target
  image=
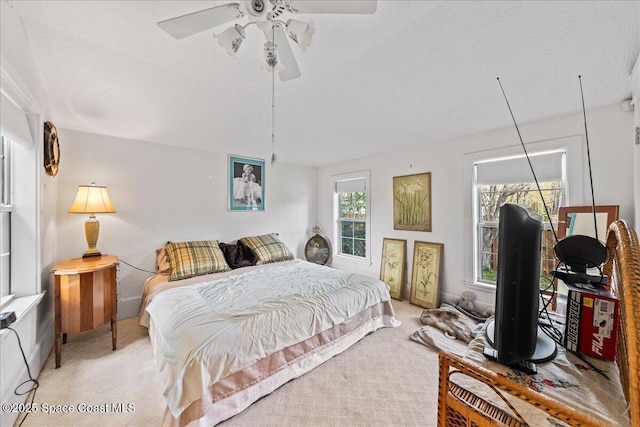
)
(273, 106)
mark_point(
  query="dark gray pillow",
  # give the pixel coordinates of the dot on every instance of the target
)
(238, 255)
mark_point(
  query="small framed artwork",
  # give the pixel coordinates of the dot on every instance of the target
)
(392, 266)
(246, 184)
(581, 220)
(412, 202)
(425, 276)
(317, 250)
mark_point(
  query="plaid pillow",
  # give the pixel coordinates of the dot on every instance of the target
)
(268, 248)
(190, 259)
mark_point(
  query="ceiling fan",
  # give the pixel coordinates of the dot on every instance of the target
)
(270, 17)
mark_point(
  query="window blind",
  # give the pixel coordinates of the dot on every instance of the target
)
(351, 186)
(512, 170)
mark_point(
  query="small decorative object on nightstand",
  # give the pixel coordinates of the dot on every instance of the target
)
(85, 297)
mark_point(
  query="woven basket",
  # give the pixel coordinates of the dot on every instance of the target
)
(624, 269)
(458, 408)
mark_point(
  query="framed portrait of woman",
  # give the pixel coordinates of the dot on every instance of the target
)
(246, 184)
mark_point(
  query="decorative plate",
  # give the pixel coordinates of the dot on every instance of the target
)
(51, 149)
(317, 250)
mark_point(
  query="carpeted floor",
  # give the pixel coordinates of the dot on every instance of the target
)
(383, 380)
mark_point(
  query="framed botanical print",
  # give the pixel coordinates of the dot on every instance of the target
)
(425, 276)
(392, 266)
(412, 202)
(246, 184)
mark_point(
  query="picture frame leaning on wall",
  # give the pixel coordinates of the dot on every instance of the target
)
(425, 274)
(393, 265)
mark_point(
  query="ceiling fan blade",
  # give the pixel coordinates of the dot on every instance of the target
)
(285, 55)
(336, 6)
(195, 22)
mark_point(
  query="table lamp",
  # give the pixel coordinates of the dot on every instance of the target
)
(92, 199)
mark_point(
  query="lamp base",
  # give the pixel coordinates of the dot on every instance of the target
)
(91, 254)
(91, 231)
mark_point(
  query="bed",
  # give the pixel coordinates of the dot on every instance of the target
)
(222, 340)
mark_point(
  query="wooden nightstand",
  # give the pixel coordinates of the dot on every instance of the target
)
(85, 297)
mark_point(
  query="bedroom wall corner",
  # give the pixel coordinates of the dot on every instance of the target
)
(610, 130)
(164, 193)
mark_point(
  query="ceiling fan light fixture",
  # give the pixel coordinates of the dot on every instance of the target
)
(301, 32)
(271, 62)
(256, 10)
(231, 39)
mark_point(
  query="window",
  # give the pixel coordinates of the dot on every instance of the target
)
(351, 217)
(505, 180)
(20, 197)
(353, 228)
(5, 220)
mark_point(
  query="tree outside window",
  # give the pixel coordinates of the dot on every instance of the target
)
(352, 216)
(491, 197)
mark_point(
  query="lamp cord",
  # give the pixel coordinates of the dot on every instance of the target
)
(137, 268)
(35, 382)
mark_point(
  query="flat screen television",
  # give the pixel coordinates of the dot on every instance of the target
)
(514, 333)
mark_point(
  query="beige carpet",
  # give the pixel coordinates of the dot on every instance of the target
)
(383, 380)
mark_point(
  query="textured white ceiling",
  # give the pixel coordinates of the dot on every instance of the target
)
(415, 72)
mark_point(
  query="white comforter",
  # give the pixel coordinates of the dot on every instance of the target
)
(245, 327)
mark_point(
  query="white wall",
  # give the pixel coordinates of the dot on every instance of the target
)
(611, 143)
(635, 102)
(21, 80)
(166, 193)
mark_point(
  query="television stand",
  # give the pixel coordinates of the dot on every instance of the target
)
(545, 350)
(525, 366)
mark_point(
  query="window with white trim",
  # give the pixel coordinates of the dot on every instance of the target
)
(509, 180)
(5, 219)
(351, 225)
(19, 197)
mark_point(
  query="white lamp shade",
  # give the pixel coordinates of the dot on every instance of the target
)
(301, 33)
(231, 39)
(92, 199)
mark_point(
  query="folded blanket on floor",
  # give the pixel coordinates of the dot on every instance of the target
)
(447, 329)
(451, 321)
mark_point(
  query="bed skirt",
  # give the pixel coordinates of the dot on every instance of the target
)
(233, 394)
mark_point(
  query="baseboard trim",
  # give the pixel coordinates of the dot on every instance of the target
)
(129, 307)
